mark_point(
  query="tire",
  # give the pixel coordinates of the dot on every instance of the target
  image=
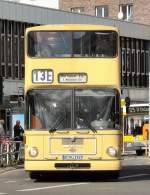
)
(115, 175)
(34, 175)
(140, 152)
(112, 175)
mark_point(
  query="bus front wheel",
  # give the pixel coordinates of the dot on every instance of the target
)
(34, 175)
(115, 175)
(112, 175)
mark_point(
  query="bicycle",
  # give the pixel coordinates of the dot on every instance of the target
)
(5, 143)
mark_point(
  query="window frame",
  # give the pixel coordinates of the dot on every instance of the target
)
(128, 15)
(79, 10)
(104, 10)
(72, 55)
(73, 108)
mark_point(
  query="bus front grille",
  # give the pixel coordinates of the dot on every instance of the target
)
(72, 165)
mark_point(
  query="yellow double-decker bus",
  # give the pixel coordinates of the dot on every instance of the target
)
(72, 92)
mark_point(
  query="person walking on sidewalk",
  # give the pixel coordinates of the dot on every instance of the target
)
(18, 137)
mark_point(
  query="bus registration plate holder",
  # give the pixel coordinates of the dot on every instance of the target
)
(72, 157)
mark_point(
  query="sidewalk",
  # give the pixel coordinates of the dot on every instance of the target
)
(7, 169)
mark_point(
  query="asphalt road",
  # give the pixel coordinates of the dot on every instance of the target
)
(134, 179)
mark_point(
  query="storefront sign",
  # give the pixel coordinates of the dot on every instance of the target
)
(142, 109)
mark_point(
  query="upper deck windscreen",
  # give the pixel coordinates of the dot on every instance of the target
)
(96, 44)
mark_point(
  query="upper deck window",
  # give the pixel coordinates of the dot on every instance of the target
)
(46, 44)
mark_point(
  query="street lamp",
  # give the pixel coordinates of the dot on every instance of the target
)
(120, 15)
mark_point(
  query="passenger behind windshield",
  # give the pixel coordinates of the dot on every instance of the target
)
(62, 109)
(100, 123)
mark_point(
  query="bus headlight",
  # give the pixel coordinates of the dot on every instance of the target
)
(33, 152)
(111, 151)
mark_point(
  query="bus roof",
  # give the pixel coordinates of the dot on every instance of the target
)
(72, 27)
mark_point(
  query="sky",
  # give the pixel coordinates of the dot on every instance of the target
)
(43, 3)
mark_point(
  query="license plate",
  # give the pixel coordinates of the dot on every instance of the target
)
(72, 157)
(42, 76)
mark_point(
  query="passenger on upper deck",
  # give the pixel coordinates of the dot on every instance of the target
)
(44, 48)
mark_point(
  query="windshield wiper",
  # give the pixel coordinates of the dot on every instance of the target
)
(88, 125)
(57, 124)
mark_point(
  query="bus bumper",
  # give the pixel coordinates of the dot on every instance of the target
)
(105, 165)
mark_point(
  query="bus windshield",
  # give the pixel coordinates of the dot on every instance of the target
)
(73, 109)
(47, 44)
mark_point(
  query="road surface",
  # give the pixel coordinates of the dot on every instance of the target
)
(134, 179)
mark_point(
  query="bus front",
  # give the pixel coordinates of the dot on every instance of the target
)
(72, 83)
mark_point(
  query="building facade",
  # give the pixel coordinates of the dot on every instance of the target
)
(15, 18)
(134, 51)
(136, 11)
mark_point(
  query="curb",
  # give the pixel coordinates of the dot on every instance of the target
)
(7, 169)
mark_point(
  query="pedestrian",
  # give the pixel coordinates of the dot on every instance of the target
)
(137, 130)
(145, 130)
(18, 137)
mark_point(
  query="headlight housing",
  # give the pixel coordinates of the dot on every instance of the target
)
(33, 152)
(111, 151)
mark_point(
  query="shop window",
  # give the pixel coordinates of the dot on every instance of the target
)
(16, 71)
(9, 27)
(133, 61)
(15, 28)
(3, 69)
(22, 73)
(123, 59)
(16, 50)
(9, 49)
(22, 29)
(128, 61)
(22, 50)
(142, 63)
(138, 60)
(2, 26)
(146, 62)
(3, 49)
(9, 71)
